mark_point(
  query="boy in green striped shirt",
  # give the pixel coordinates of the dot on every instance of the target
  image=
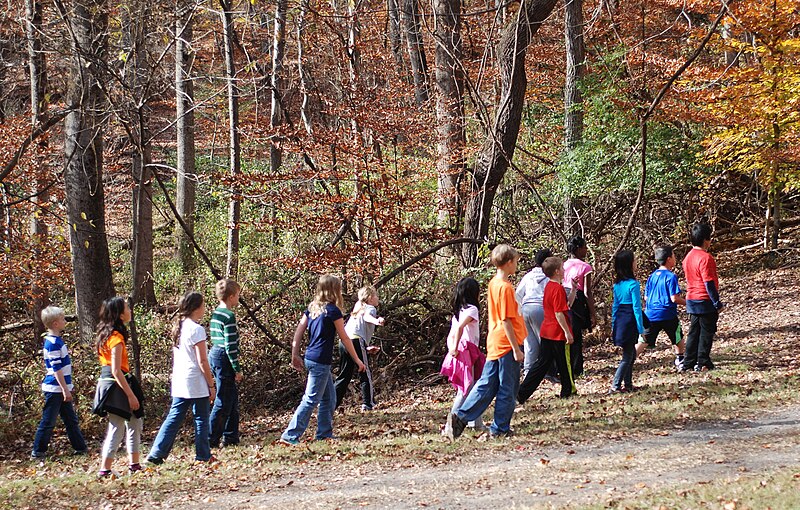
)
(224, 361)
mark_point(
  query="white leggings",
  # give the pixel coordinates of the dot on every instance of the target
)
(117, 426)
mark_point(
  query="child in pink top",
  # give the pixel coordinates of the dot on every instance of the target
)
(577, 270)
(464, 361)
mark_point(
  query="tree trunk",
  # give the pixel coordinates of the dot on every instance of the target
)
(450, 164)
(184, 101)
(495, 155)
(39, 104)
(573, 98)
(301, 70)
(234, 208)
(141, 159)
(278, 51)
(416, 50)
(395, 37)
(83, 176)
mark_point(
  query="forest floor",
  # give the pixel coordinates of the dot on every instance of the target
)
(727, 439)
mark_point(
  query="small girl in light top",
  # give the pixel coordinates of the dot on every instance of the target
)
(192, 382)
(577, 270)
(627, 323)
(464, 362)
(360, 328)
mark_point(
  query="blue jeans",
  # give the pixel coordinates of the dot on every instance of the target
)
(500, 378)
(225, 414)
(54, 406)
(172, 423)
(320, 390)
(625, 369)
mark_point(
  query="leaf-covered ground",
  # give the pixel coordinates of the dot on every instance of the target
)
(727, 439)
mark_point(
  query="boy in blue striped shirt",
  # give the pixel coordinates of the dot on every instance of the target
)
(57, 387)
(224, 361)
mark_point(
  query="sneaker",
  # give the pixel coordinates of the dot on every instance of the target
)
(455, 426)
(501, 435)
(678, 362)
(79, 453)
(365, 408)
(289, 442)
(155, 461)
(614, 391)
(209, 460)
(106, 473)
(226, 443)
(134, 468)
(38, 455)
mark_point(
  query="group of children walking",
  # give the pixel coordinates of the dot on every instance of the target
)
(541, 324)
(538, 325)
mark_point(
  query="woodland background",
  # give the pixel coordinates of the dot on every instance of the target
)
(149, 148)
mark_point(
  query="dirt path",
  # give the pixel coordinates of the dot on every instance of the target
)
(538, 477)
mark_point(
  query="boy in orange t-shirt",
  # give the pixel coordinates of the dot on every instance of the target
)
(556, 335)
(500, 376)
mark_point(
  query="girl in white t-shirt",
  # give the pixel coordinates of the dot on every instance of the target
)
(464, 361)
(192, 382)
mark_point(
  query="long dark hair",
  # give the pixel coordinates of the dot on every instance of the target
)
(623, 265)
(110, 320)
(467, 292)
(190, 302)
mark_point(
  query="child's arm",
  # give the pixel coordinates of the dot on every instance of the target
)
(508, 327)
(562, 321)
(678, 299)
(378, 321)
(453, 340)
(119, 376)
(573, 291)
(636, 299)
(54, 357)
(297, 361)
(201, 351)
(63, 384)
(348, 344)
(587, 284)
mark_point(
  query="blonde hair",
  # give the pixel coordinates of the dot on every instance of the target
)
(329, 290)
(50, 314)
(503, 254)
(226, 288)
(364, 293)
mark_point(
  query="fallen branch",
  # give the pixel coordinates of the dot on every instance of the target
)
(394, 272)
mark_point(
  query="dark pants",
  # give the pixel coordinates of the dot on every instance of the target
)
(549, 351)
(699, 340)
(225, 413)
(579, 320)
(346, 368)
(624, 374)
(54, 406)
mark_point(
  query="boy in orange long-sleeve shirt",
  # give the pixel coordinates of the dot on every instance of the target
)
(500, 377)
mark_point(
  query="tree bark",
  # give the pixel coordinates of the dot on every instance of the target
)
(38, 81)
(573, 98)
(143, 291)
(184, 101)
(416, 50)
(234, 208)
(450, 163)
(83, 149)
(278, 51)
(301, 69)
(395, 37)
(495, 155)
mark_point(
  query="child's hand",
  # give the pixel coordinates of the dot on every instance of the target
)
(570, 338)
(575, 282)
(297, 363)
(372, 349)
(380, 321)
(519, 355)
(238, 377)
(133, 402)
(212, 394)
(453, 353)
(361, 367)
(67, 395)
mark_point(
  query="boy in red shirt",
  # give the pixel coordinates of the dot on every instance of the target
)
(556, 335)
(500, 376)
(702, 300)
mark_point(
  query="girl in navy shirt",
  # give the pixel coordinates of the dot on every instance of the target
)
(626, 318)
(323, 320)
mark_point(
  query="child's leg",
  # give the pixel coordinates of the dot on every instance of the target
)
(533, 322)
(200, 408)
(327, 406)
(623, 369)
(133, 436)
(227, 393)
(708, 327)
(482, 394)
(346, 368)
(318, 375)
(631, 352)
(231, 432)
(165, 438)
(73, 427)
(537, 372)
(50, 411)
(576, 349)
(114, 434)
(560, 352)
(367, 389)
(506, 394)
(692, 342)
